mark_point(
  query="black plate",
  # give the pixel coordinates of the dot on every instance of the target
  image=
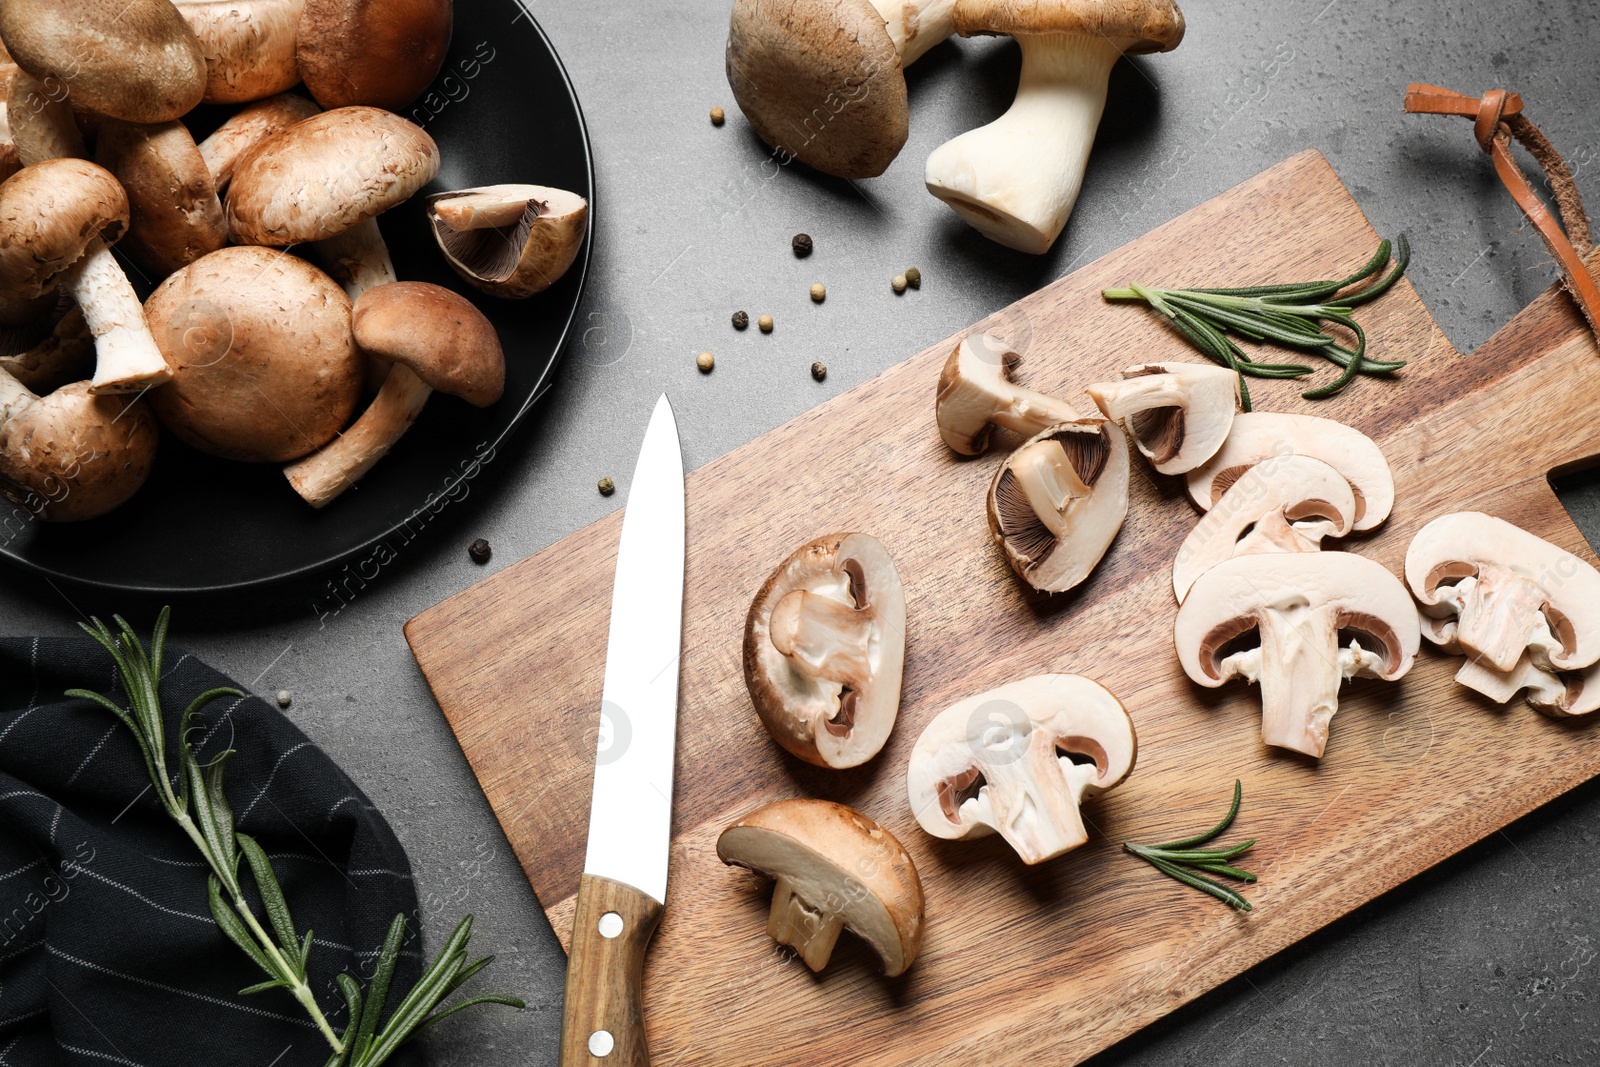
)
(502, 110)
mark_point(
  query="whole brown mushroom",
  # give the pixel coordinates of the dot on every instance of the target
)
(176, 216)
(249, 46)
(381, 53)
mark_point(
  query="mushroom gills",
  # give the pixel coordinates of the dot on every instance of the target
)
(1040, 486)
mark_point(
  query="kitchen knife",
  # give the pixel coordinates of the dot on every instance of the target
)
(624, 884)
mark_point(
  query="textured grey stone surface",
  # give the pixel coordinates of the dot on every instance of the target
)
(1489, 959)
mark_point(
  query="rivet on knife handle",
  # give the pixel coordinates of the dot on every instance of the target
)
(603, 1022)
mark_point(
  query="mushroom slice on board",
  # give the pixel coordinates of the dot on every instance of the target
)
(1016, 180)
(172, 197)
(131, 59)
(976, 395)
(1057, 502)
(824, 646)
(265, 367)
(1260, 435)
(1284, 504)
(822, 81)
(835, 870)
(436, 340)
(1177, 413)
(1558, 694)
(1321, 617)
(71, 455)
(1492, 590)
(377, 54)
(248, 127)
(249, 46)
(510, 241)
(1001, 762)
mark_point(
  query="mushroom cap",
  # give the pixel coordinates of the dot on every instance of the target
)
(514, 241)
(78, 454)
(248, 127)
(1259, 435)
(976, 393)
(379, 54)
(1027, 728)
(439, 334)
(249, 46)
(1227, 601)
(176, 215)
(265, 366)
(1136, 26)
(1253, 516)
(820, 81)
(131, 59)
(320, 177)
(812, 717)
(1470, 544)
(1178, 414)
(836, 858)
(49, 213)
(1098, 451)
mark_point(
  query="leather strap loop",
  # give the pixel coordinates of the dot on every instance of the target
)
(1496, 119)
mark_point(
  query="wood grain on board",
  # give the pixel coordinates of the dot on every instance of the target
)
(1047, 964)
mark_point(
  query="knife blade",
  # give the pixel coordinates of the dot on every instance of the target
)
(624, 885)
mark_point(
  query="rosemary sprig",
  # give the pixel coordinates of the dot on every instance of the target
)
(1184, 859)
(193, 797)
(1289, 315)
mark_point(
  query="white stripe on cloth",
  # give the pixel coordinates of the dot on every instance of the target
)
(98, 1055)
(93, 752)
(286, 754)
(219, 1001)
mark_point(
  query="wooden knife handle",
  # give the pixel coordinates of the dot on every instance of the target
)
(603, 1022)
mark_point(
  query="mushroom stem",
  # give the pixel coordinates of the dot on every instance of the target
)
(127, 357)
(494, 208)
(1050, 482)
(1298, 666)
(323, 475)
(811, 931)
(1273, 532)
(57, 358)
(915, 26)
(42, 125)
(822, 637)
(357, 259)
(1016, 180)
(1495, 613)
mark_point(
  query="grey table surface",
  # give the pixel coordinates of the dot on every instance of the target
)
(1491, 958)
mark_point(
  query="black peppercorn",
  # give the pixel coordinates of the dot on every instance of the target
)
(479, 551)
(741, 320)
(801, 244)
(819, 370)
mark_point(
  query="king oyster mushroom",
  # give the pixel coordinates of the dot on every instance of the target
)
(824, 645)
(1001, 762)
(510, 241)
(1322, 617)
(835, 870)
(1178, 414)
(976, 394)
(1057, 502)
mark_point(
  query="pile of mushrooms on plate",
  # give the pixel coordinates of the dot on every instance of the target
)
(278, 331)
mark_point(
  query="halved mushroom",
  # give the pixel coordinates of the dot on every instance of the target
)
(1260, 435)
(1002, 762)
(41, 121)
(357, 52)
(176, 214)
(1178, 414)
(822, 81)
(976, 394)
(510, 241)
(1286, 504)
(436, 340)
(824, 646)
(248, 127)
(249, 46)
(1057, 502)
(1322, 617)
(1493, 591)
(265, 367)
(836, 869)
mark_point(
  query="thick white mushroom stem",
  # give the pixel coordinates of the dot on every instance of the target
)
(1500, 613)
(1028, 796)
(127, 359)
(323, 475)
(1299, 667)
(1273, 532)
(823, 638)
(811, 930)
(1016, 180)
(1050, 483)
(916, 25)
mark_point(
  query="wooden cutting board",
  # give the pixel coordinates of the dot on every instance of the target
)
(1054, 963)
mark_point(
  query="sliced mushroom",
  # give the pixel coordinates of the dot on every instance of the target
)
(976, 394)
(71, 455)
(249, 46)
(357, 52)
(1260, 435)
(1001, 762)
(1492, 591)
(131, 59)
(176, 215)
(1177, 413)
(248, 127)
(41, 121)
(836, 870)
(510, 241)
(1322, 617)
(435, 339)
(1558, 694)
(1284, 504)
(265, 367)
(1057, 502)
(824, 645)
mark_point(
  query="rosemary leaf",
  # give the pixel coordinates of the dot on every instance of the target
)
(1217, 830)
(1183, 861)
